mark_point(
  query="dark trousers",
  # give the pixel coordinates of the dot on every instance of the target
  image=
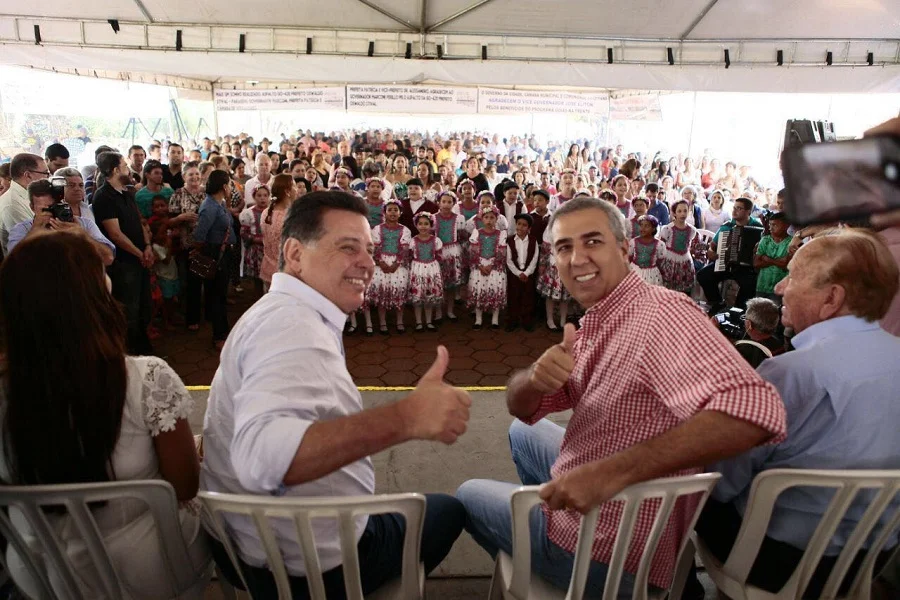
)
(520, 300)
(718, 527)
(709, 280)
(131, 287)
(380, 552)
(216, 290)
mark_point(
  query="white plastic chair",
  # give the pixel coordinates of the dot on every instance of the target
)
(162, 505)
(731, 577)
(513, 579)
(300, 511)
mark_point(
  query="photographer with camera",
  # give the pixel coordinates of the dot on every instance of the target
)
(51, 211)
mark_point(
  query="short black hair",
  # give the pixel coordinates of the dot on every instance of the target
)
(101, 149)
(651, 187)
(135, 147)
(22, 163)
(217, 182)
(237, 162)
(174, 145)
(41, 187)
(295, 162)
(108, 162)
(747, 202)
(778, 216)
(415, 181)
(542, 193)
(524, 217)
(55, 151)
(305, 216)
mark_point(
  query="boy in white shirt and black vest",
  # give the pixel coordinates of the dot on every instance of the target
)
(521, 262)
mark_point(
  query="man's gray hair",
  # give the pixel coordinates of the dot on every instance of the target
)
(617, 221)
(764, 314)
(68, 172)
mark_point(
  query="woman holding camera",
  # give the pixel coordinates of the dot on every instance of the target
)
(104, 417)
(211, 239)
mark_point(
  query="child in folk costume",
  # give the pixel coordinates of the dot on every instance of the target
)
(468, 206)
(646, 252)
(485, 200)
(550, 285)
(251, 233)
(342, 177)
(639, 206)
(540, 214)
(521, 262)
(450, 228)
(567, 189)
(426, 287)
(374, 201)
(390, 281)
(678, 236)
(487, 280)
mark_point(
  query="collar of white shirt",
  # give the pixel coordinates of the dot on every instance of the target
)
(282, 283)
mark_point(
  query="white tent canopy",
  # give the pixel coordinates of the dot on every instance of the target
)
(552, 43)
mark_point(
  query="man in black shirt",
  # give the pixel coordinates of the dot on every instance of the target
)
(119, 220)
(172, 174)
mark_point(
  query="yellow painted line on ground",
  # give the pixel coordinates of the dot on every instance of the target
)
(367, 388)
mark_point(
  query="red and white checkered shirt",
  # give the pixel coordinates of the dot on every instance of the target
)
(647, 359)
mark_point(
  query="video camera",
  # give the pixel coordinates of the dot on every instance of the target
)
(827, 181)
(59, 210)
(731, 324)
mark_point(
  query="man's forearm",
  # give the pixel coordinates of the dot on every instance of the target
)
(522, 400)
(707, 437)
(329, 445)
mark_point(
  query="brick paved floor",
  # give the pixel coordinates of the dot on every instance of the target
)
(483, 358)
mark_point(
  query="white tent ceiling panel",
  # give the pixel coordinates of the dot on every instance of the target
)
(102, 33)
(342, 69)
(335, 13)
(95, 9)
(838, 19)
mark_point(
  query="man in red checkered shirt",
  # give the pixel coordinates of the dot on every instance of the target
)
(655, 391)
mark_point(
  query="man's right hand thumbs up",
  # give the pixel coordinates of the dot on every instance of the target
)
(435, 410)
(551, 371)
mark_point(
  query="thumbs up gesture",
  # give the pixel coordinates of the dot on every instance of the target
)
(435, 410)
(551, 371)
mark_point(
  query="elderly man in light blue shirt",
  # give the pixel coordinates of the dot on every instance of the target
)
(839, 387)
(285, 418)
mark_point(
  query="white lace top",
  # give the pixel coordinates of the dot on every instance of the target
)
(155, 399)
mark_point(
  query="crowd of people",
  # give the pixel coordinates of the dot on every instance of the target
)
(329, 228)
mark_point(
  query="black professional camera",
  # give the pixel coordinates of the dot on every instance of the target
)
(61, 212)
(731, 323)
(58, 188)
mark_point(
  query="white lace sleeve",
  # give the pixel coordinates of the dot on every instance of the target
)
(165, 399)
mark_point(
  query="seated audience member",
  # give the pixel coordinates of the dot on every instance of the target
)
(41, 200)
(772, 257)
(106, 417)
(709, 279)
(839, 388)
(761, 324)
(642, 424)
(286, 419)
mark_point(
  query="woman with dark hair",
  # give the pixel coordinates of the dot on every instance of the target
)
(573, 159)
(211, 238)
(284, 192)
(104, 417)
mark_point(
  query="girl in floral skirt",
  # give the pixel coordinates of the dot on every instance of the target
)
(251, 234)
(678, 236)
(426, 288)
(390, 283)
(550, 286)
(646, 252)
(485, 199)
(450, 228)
(487, 256)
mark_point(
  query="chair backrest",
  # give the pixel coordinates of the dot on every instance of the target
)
(668, 490)
(706, 236)
(300, 511)
(766, 488)
(30, 501)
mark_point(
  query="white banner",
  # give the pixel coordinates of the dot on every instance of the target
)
(325, 98)
(640, 107)
(412, 99)
(498, 101)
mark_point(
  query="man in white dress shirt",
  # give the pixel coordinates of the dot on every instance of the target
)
(285, 418)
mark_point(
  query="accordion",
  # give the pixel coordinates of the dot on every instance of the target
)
(736, 247)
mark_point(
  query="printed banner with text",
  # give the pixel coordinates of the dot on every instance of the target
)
(498, 101)
(412, 99)
(326, 98)
(641, 107)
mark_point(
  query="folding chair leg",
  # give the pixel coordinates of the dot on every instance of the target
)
(496, 591)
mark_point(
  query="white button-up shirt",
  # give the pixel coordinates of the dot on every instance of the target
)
(282, 370)
(522, 252)
(14, 208)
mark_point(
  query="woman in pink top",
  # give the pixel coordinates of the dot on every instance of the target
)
(284, 192)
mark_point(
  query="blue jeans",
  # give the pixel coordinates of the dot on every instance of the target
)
(534, 450)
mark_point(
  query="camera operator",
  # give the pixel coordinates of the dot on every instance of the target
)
(74, 193)
(761, 326)
(52, 212)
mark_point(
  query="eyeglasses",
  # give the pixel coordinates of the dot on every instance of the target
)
(44, 173)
